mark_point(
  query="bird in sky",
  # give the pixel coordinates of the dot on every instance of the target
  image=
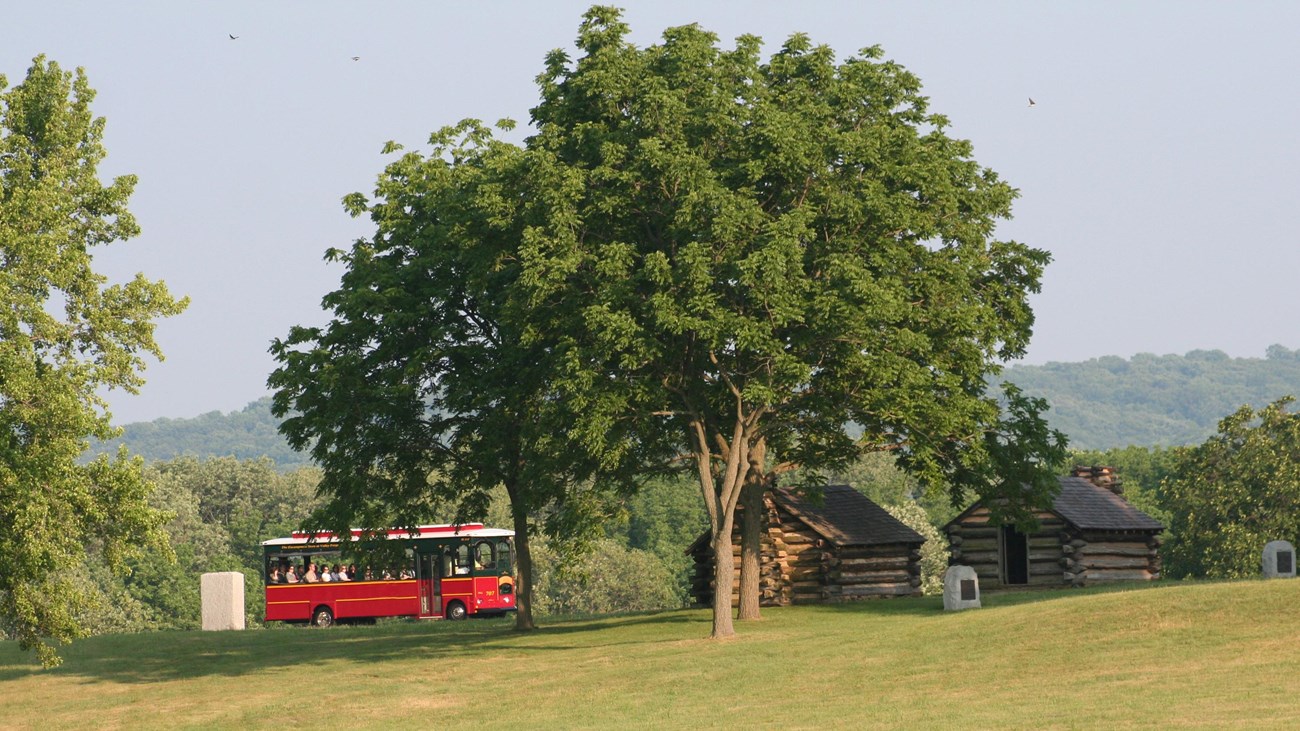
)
(233, 37)
(356, 58)
(1031, 102)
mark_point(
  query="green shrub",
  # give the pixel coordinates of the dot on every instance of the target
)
(934, 552)
(607, 579)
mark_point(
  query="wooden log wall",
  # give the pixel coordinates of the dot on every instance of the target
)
(1092, 557)
(976, 542)
(859, 572)
(799, 567)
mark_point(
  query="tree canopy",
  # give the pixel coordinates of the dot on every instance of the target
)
(65, 337)
(699, 253)
(750, 255)
(423, 390)
(1167, 400)
(1234, 493)
(1101, 403)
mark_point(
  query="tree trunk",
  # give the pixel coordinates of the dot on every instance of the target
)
(751, 525)
(724, 572)
(721, 496)
(751, 518)
(524, 561)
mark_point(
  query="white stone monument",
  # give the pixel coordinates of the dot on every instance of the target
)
(223, 600)
(1279, 560)
(961, 589)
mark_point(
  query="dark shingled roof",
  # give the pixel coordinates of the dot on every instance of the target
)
(1091, 507)
(846, 517)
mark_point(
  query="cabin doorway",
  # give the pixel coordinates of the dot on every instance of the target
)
(1015, 556)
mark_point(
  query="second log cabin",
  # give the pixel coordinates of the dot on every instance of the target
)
(1091, 534)
(845, 548)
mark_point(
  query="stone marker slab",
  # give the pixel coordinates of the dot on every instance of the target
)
(223, 600)
(1279, 560)
(961, 589)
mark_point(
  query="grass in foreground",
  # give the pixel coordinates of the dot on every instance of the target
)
(1195, 655)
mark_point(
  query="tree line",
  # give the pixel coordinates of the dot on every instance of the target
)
(1165, 400)
(249, 433)
(1220, 502)
(1100, 404)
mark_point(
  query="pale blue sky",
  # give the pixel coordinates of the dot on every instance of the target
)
(1160, 165)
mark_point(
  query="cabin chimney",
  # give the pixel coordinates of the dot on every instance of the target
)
(1101, 477)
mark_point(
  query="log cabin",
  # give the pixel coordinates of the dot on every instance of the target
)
(1090, 535)
(843, 549)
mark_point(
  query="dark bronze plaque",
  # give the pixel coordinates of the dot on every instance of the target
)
(1285, 562)
(968, 590)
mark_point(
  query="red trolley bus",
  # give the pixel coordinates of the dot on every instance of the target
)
(431, 572)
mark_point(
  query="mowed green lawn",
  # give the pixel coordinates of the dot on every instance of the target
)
(1178, 655)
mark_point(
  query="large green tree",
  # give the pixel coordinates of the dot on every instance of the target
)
(750, 255)
(1234, 493)
(423, 390)
(65, 337)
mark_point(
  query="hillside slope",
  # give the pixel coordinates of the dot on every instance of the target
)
(247, 434)
(1151, 400)
(1168, 656)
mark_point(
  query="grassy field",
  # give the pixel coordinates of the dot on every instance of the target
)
(1198, 655)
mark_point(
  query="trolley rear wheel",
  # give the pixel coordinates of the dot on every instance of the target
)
(322, 617)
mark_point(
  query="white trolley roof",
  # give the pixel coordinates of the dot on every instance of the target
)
(467, 530)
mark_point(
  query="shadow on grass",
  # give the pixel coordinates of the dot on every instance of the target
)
(921, 606)
(162, 656)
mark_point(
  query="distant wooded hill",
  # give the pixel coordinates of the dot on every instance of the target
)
(1146, 400)
(1150, 400)
(246, 434)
